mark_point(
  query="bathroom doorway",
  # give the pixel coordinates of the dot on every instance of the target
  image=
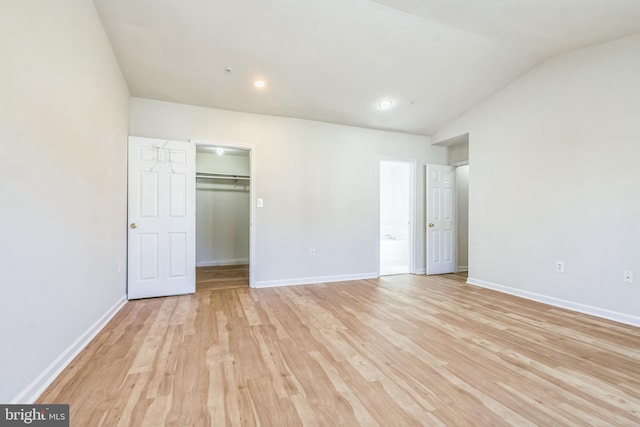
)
(397, 205)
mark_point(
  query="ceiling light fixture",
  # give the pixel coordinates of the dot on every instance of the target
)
(219, 151)
(259, 83)
(385, 104)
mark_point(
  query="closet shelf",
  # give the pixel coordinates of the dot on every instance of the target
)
(222, 176)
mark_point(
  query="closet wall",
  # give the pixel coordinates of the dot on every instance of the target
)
(462, 193)
(459, 153)
(222, 208)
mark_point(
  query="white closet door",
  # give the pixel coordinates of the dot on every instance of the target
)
(161, 232)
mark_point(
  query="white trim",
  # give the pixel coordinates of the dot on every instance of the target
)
(462, 268)
(421, 271)
(460, 163)
(557, 302)
(414, 214)
(227, 261)
(315, 280)
(252, 196)
(31, 393)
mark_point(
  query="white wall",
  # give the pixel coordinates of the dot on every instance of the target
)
(458, 153)
(319, 183)
(222, 211)
(222, 225)
(555, 177)
(64, 111)
(225, 164)
(462, 195)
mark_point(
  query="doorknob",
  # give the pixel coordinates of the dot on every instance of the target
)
(133, 225)
(430, 225)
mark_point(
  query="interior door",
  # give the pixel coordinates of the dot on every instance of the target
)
(161, 212)
(440, 219)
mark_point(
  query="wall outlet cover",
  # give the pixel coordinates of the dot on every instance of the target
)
(628, 277)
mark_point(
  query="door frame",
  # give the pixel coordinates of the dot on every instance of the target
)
(252, 193)
(456, 165)
(412, 210)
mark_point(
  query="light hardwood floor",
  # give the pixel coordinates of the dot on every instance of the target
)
(396, 351)
(222, 277)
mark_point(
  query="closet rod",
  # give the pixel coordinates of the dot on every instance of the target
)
(222, 176)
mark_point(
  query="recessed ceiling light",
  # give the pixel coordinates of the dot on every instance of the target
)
(259, 83)
(385, 104)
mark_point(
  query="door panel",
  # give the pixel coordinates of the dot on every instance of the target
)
(178, 193)
(161, 233)
(177, 250)
(440, 219)
(147, 256)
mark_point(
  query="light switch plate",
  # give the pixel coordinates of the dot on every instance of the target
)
(260, 203)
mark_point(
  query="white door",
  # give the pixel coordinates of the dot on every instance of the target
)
(161, 251)
(440, 219)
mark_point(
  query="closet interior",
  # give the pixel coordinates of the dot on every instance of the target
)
(222, 217)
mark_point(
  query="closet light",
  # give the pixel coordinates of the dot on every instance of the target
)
(219, 151)
(385, 104)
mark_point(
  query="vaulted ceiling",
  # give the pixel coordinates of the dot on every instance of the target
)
(335, 60)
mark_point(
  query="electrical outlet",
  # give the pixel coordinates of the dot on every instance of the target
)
(560, 266)
(119, 266)
(628, 277)
(312, 253)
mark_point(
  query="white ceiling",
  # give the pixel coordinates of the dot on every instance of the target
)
(333, 60)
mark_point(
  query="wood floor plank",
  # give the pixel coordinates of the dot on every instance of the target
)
(222, 277)
(401, 350)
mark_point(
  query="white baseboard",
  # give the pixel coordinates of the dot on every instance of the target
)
(227, 261)
(462, 268)
(421, 271)
(557, 302)
(314, 280)
(31, 393)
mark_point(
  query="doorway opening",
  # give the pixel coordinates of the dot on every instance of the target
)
(397, 205)
(447, 210)
(462, 198)
(223, 217)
